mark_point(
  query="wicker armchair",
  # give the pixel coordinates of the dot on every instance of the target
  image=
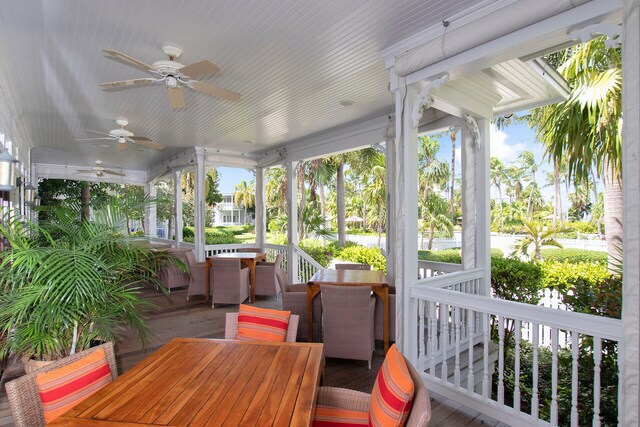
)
(230, 282)
(353, 267)
(357, 401)
(23, 392)
(197, 276)
(347, 322)
(266, 283)
(294, 299)
(231, 327)
(171, 276)
(258, 250)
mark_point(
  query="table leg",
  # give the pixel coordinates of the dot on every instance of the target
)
(252, 281)
(207, 285)
(385, 322)
(312, 291)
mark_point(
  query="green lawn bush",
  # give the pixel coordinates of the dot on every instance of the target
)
(516, 280)
(574, 255)
(583, 227)
(362, 255)
(564, 275)
(213, 236)
(322, 255)
(452, 256)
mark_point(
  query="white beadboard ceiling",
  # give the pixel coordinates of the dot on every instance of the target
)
(292, 61)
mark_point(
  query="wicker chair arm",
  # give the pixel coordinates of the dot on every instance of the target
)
(344, 398)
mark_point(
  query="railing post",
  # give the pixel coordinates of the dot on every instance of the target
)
(292, 225)
(177, 192)
(260, 220)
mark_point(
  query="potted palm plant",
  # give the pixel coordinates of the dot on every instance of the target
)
(67, 283)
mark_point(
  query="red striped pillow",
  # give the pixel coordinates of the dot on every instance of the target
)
(63, 388)
(327, 416)
(262, 324)
(392, 395)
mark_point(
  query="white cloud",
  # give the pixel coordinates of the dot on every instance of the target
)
(507, 153)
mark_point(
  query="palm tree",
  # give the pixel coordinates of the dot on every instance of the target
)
(245, 196)
(585, 130)
(499, 176)
(376, 193)
(527, 162)
(435, 210)
(276, 189)
(538, 236)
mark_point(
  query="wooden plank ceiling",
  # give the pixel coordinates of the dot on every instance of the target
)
(292, 61)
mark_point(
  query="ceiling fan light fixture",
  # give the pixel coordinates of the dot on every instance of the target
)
(122, 140)
(172, 82)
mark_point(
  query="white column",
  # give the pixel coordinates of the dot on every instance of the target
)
(151, 222)
(405, 215)
(260, 220)
(468, 199)
(483, 203)
(199, 210)
(390, 240)
(629, 384)
(177, 194)
(292, 225)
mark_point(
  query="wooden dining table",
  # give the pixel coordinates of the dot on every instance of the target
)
(198, 382)
(248, 259)
(375, 279)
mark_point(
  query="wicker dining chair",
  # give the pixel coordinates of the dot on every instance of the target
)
(229, 281)
(231, 327)
(266, 283)
(23, 395)
(358, 401)
(353, 267)
(197, 276)
(294, 299)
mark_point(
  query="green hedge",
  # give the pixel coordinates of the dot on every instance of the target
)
(574, 256)
(362, 255)
(566, 275)
(515, 280)
(451, 255)
(213, 236)
(322, 256)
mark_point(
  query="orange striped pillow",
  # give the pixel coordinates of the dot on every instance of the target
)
(63, 388)
(262, 324)
(392, 395)
(328, 416)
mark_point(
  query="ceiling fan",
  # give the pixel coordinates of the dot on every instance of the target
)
(172, 74)
(100, 171)
(123, 136)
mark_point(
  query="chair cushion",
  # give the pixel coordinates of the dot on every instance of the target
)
(262, 324)
(63, 388)
(327, 416)
(392, 395)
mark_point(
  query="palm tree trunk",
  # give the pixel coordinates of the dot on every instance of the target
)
(430, 236)
(340, 204)
(364, 215)
(379, 225)
(170, 228)
(556, 186)
(612, 190)
(85, 200)
(323, 206)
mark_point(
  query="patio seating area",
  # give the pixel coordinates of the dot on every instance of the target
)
(177, 317)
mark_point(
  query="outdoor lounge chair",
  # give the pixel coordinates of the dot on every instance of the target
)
(171, 276)
(229, 281)
(23, 395)
(347, 322)
(266, 283)
(358, 401)
(231, 327)
(294, 299)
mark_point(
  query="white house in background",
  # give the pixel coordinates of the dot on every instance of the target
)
(228, 213)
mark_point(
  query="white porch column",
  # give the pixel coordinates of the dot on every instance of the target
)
(483, 202)
(390, 240)
(405, 258)
(177, 193)
(199, 210)
(150, 210)
(292, 224)
(260, 220)
(629, 383)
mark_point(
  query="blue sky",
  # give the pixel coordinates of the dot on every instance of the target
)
(230, 177)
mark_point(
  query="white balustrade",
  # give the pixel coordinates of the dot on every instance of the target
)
(534, 353)
(307, 266)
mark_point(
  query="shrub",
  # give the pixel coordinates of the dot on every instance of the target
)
(566, 275)
(451, 255)
(362, 255)
(137, 233)
(235, 229)
(322, 256)
(187, 232)
(515, 280)
(574, 256)
(583, 227)
(213, 236)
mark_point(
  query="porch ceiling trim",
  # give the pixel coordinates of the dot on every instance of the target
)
(51, 171)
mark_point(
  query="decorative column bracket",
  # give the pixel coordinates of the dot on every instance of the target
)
(425, 100)
(474, 130)
(600, 29)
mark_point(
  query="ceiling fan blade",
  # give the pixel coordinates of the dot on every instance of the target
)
(110, 172)
(93, 139)
(146, 142)
(176, 97)
(199, 69)
(122, 147)
(215, 91)
(81, 171)
(128, 60)
(126, 84)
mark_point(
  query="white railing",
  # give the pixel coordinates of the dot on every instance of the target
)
(534, 384)
(306, 266)
(273, 251)
(211, 250)
(433, 268)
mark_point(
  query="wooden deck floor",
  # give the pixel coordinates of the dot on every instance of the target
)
(177, 317)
